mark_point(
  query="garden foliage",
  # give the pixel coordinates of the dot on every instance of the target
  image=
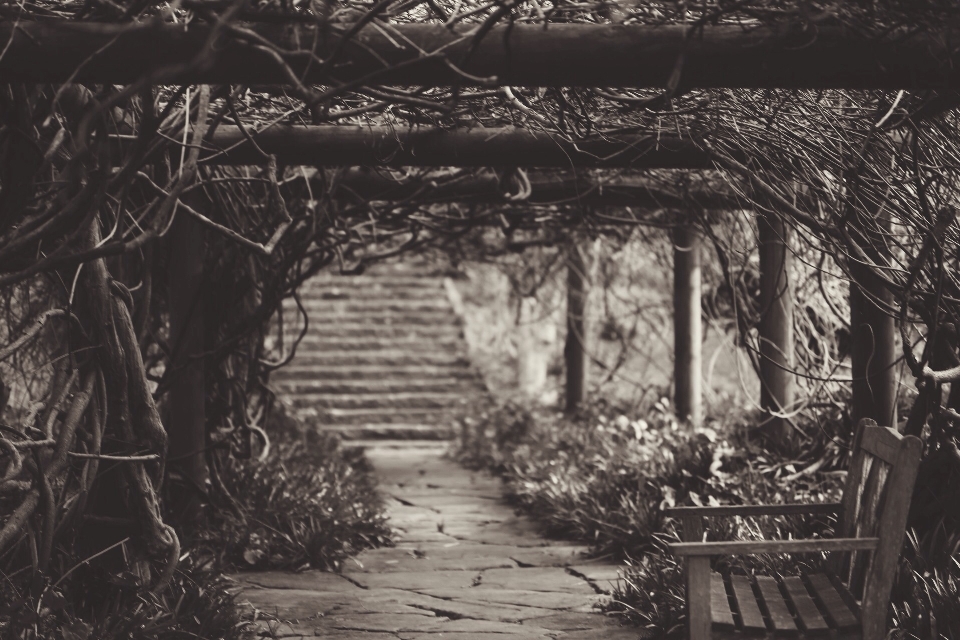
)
(306, 503)
(309, 503)
(603, 477)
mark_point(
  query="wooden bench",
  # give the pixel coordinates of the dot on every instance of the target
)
(849, 600)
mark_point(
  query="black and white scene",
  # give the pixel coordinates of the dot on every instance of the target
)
(479, 319)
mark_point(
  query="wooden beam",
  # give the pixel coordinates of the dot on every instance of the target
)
(348, 145)
(546, 188)
(687, 327)
(776, 326)
(791, 56)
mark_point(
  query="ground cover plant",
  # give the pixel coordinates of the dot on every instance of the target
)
(307, 503)
(303, 502)
(603, 476)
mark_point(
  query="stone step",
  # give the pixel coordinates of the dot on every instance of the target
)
(382, 358)
(298, 371)
(319, 332)
(323, 317)
(400, 281)
(369, 343)
(373, 305)
(376, 415)
(393, 436)
(328, 294)
(415, 443)
(402, 400)
(295, 386)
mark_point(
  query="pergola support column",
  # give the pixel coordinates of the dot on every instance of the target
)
(574, 352)
(776, 327)
(873, 355)
(187, 395)
(687, 326)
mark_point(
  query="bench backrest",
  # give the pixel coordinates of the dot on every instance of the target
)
(876, 500)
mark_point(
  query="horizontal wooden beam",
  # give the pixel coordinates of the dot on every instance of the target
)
(814, 57)
(561, 188)
(333, 145)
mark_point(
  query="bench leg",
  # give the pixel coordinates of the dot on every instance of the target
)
(698, 597)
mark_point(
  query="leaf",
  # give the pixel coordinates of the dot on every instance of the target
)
(252, 556)
(78, 630)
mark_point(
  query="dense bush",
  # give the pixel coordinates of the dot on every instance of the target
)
(93, 603)
(603, 477)
(307, 504)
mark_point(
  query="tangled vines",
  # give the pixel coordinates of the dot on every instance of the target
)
(866, 179)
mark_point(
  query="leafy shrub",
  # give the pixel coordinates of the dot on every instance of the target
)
(603, 478)
(925, 602)
(307, 504)
(94, 605)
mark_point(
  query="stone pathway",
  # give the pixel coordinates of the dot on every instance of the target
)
(465, 567)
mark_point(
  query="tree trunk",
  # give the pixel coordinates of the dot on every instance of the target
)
(687, 327)
(574, 352)
(187, 394)
(776, 328)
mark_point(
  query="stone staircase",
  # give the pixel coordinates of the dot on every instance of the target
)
(384, 357)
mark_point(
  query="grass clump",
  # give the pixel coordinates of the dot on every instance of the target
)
(308, 503)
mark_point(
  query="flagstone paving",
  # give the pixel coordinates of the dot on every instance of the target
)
(464, 567)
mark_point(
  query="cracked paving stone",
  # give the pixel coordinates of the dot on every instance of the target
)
(535, 579)
(569, 621)
(299, 604)
(391, 623)
(474, 635)
(619, 633)
(549, 556)
(471, 627)
(600, 574)
(541, 599)
(416, 580)
(460, 558)
(465, 567)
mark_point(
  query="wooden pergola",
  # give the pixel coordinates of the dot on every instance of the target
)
(557, 55)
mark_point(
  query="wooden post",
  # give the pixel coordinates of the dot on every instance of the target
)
(574, 351)
(776, 326)
(187, 396)
(687, 327)
(873, 355)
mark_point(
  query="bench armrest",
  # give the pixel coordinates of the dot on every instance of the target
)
(759, 547)
(754, 510)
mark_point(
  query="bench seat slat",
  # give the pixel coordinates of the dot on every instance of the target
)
(750, 616)
(721, 618)
(837, 610)
(780, 617)
(811, 622)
